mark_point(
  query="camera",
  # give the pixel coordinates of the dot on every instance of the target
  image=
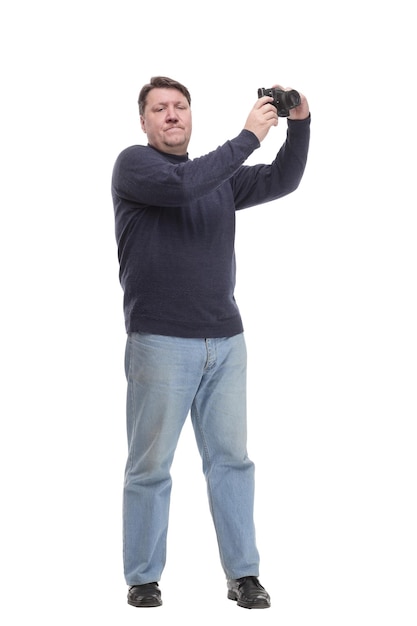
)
(283, 100)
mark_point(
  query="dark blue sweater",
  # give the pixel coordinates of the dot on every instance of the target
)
(175, 229)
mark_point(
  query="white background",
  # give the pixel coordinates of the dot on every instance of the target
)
(326, 287)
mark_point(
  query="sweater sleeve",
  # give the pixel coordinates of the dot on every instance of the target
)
(144, 175)
(253, 185)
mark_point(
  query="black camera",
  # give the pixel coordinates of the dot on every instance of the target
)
(283, 100)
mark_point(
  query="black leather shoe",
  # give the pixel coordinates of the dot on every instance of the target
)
(248, 592)
(144, 595)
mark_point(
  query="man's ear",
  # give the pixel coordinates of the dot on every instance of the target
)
(142, 123)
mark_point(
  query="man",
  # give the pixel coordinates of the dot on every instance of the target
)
(185, 351)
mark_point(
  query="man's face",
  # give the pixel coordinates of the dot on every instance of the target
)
(167, 120)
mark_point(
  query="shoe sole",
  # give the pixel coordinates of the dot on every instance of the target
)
(151, 602)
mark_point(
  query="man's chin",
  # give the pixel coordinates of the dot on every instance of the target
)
(175, 135)
(176, 142)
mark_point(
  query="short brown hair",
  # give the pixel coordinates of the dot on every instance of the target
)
(160, 82)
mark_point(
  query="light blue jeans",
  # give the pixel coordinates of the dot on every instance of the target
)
(168, 378)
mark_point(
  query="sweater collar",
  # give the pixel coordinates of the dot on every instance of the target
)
(174, 158)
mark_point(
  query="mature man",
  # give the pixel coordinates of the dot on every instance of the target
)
(185, 351)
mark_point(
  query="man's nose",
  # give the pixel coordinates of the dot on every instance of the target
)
(171, 113)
